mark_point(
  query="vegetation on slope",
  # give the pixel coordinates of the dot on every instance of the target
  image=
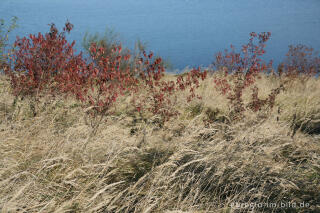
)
(96, 136)
(189, 165)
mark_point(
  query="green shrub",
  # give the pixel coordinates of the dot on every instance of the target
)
(110, 39)
(4, 36)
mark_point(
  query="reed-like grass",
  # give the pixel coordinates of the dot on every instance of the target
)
(48, 163)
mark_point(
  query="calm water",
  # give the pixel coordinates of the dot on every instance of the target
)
(187, 32)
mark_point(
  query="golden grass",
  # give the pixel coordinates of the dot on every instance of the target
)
(132, 165)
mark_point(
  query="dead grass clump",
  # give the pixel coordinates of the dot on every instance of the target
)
(134, 165)
(300, 107)
(195, 110)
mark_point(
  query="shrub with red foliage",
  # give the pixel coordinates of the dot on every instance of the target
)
(154, 94)
(38, 63)
(101, 83)
(300, 61)
(160, 94)
(192, 81)
(248, 63)
(242, 68)
(37, 60)
(257, 104)
(46, 64)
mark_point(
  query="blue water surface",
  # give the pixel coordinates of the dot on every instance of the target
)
(186, 32)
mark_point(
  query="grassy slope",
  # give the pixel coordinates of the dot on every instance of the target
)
(186, 166)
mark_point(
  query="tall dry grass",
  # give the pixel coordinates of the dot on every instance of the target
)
(49, 164)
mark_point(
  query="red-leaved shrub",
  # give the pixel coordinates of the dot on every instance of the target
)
(158, 94)
(46, 64)
(192, 81)
(241, 69)
(101, 83)
(301, 61)
(154, 94)
(38, 59)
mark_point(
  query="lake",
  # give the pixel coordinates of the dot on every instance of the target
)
(185, 32)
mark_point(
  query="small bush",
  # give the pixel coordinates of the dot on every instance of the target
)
(39, 61)
(104, 81)
(4, 36)
(240, 71)
(161, 94)
(109, 40)
(301, 61)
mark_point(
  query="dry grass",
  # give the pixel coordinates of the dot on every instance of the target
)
(186, 166)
